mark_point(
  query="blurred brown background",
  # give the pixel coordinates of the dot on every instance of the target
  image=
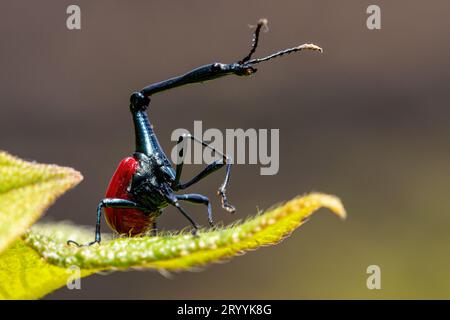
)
(368, 120)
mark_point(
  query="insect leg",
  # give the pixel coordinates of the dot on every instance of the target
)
(198, 199)
(212, 167)
(173, 200)
(154, 231)
(108, 203)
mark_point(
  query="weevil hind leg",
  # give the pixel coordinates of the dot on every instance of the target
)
(154, 230)
(107, 203)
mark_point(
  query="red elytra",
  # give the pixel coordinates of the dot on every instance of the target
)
(125, 221)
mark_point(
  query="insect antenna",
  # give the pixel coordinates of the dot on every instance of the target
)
(306, 46)
(261, 23)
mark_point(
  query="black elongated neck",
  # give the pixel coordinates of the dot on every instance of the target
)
(146, 141)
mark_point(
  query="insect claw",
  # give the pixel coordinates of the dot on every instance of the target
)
(229, 208)
(225, 204)
(69, 242)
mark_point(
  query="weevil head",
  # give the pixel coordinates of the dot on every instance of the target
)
(238, 69)
(244, 69)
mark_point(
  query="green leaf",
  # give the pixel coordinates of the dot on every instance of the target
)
(167, 251)
(25, 275)
(26, 190)
(38, 263)
(176, 251)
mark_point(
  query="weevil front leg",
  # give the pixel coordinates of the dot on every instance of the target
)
(212, 167)
(107, 203)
